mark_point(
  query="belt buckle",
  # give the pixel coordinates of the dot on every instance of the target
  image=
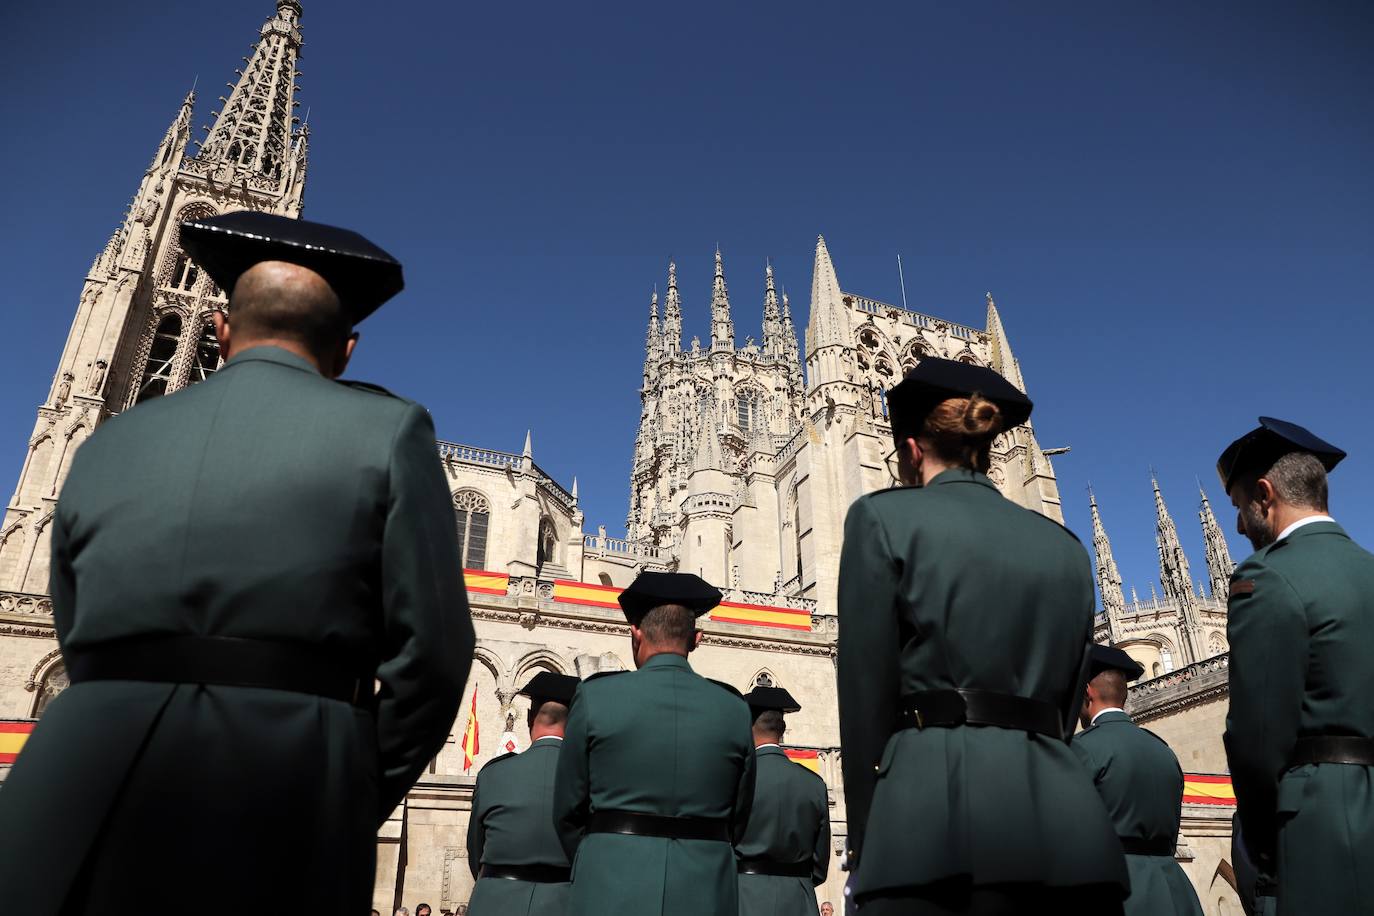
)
(920, 720)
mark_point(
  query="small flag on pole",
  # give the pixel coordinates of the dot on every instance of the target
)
(470, 745)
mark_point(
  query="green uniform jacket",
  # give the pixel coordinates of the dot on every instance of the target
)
(788, 823)
(945, 586)
(512, 824)
(1141, 784)
(1301, 627)
(267, 503)
(660, 740)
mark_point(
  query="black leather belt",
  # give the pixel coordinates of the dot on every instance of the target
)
(537, 874)
(948, 708)
(224, 661)
(1139, 846)
(760, 866)
(1333, 749)
(635, 823)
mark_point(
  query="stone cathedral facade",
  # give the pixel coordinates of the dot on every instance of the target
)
(745, 461)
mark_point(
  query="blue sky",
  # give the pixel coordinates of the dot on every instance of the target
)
(1172, 204)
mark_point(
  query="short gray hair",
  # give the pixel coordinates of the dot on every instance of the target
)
(1299, 479)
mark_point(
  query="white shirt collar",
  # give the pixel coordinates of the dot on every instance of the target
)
(547, 738)
(1303, 521)
(762, 746)
(1104, 712)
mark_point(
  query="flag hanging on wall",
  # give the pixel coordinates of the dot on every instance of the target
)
(470, 746)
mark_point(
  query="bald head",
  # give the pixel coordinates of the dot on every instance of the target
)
(274, 301)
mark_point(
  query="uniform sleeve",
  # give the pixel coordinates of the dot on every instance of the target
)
(869, 680)
(1267, 629)
(427, 628)
(1083, 750)
(820, 860)
(61, 576)
(744, 793)
(477, 831)
(572, 785)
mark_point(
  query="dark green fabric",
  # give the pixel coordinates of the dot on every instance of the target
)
(1301, 628)
(266, 503)
(1141, 785)
(951, 585)
(788, 822)
(512, 824)
(660, 740)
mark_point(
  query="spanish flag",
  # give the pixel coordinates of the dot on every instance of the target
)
(470, 746)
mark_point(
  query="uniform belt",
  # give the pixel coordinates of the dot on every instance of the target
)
(635, 823)
(224, 661)
(1139, 846)
(537, 874)
(762, 866)
(948, 708)
(1333, 749)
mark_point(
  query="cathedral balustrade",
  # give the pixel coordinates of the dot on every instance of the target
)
(621, 547)
(792, 445)
(25, 603)
(765, 599)
(1180, 688)
(452, 451)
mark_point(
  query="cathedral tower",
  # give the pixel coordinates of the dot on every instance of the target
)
(1176, 580)
(142, 325)
(1108, 578)
(1219, 565)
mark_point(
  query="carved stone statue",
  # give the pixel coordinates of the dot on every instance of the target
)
(96, 380)
(696, 344)
(64, 390)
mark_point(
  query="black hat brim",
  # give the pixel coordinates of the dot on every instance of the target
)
(1257, 450)
(657, 589)
(361, 274)
(935, 380)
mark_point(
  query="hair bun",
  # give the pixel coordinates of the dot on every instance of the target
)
(982, 418)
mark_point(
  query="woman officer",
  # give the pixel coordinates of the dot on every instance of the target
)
(964, 626)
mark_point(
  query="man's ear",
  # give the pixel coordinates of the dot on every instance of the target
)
(222, 334)
(1263, 493)
(344, 354)
(696, 640)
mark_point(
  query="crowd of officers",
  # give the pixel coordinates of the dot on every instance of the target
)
(255, 590)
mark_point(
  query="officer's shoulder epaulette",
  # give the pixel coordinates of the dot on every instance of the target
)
(368, 386)
(495, 760)
(1156, 737)
(600, 674)
(728, 687)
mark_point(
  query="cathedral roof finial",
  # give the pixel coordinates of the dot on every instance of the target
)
(574, 490)
(528, 450)
(722, 328)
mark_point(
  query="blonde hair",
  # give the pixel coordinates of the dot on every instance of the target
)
(960, 431)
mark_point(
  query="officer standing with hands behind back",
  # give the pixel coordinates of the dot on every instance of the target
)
(656, 776)
(233, 565)
(1300, 728)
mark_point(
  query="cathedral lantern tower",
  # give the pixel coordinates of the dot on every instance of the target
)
(142, 326)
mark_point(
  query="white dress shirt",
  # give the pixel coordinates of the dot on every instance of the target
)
(1303, 521)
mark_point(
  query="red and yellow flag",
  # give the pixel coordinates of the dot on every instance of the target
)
(470, 745)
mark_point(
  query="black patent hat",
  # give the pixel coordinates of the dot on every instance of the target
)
(546, 685)
(362, 275)
(1110, 658)
(765, 699)
(935, 380)
(655, 589)
(1257, 450)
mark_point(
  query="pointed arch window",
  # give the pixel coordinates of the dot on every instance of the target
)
(54, 682)
(1167, 658)
(185, 273)
(207, 360)
(473, 517)
(157, 373)
(749, 406)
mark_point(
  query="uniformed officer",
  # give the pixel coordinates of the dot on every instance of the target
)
(785, 850)
(513, 850)
(1256, 890)
(1141, 784)
(1300, 729)
(657, 770)
(965, 622)
(233, 567)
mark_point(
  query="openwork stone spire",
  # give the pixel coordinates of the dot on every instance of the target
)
(672, 314)
(774, 344)
(1219, 565)
(652, 344)
(253, 132)
(1175, 577)
(722, 328)
(1108, 577)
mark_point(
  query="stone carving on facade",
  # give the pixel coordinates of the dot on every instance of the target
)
(95, 379)
(64, 389)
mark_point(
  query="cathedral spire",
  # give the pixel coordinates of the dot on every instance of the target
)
(1175, 578)
(253, 131)
(722, 328)
(1108, 578)
(1003, 362)
(774, 342)
(1219, 565)
(652, 342)
(828, 341)
(672, 315)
